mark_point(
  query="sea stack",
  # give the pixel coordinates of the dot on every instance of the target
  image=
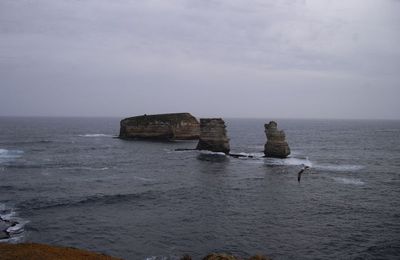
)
(177, 126)
(213, 135)
(276, 145)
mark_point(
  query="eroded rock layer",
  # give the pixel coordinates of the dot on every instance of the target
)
(276, 145)
(213, 135)
(178, 126)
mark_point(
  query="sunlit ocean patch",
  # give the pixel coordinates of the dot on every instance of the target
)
(351, 181)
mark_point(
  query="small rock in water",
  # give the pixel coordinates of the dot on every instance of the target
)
(4, 225)
(4, 235)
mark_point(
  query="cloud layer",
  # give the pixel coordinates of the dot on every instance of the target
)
(308, 59)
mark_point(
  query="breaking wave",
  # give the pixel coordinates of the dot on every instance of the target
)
(211, 153)
(16, 228)
(251, 155)
(291, 161)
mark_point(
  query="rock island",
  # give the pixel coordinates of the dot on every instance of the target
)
(176, 126)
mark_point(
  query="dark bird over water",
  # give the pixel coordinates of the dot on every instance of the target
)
(301, 171)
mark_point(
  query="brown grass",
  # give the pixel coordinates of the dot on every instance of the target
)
(31, 251)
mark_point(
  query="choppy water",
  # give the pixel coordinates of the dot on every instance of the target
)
(67, 181)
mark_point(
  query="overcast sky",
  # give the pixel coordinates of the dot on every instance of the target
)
(229, 58)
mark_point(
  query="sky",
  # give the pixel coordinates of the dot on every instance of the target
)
(212, 58)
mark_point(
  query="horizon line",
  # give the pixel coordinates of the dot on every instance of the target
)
(227, 117)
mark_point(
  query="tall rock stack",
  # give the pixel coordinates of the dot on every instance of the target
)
(276, 145)
(213, 135)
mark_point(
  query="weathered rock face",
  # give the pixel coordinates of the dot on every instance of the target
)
(178, 126)
(276, 145)
(213, 135)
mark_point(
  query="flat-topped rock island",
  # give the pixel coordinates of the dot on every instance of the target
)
(176, 126)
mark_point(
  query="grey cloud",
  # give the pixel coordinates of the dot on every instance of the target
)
(262, 58)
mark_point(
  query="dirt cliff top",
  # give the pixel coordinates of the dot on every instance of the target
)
(32, 251)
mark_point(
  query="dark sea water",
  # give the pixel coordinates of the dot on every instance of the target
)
(68, 182)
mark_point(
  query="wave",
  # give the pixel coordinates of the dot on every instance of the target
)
(27, 142)
(348, 181)
(394, 130)
(9, 155)
(142, 179)
(38, 204)
(204, 152)
(84, 168)
(250, 155)
(53, 166)
(96, 135)
(338, 167)
(16, 227)
(4, 153)
(291, 161)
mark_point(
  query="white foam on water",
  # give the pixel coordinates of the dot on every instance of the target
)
(251, 155)
(10, 154)
(292, 161)
(17, 231)
(351, 181)
(96, 135)
(338, 167)
(212, 153)
(18, 228)
(7, 216)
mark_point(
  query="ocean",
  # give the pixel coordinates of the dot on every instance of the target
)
(70, 182)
